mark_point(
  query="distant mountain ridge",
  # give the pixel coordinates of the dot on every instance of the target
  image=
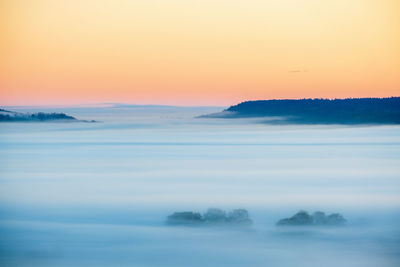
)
(319, 111)
(11, 116)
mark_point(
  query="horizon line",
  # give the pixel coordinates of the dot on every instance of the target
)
(132, 105)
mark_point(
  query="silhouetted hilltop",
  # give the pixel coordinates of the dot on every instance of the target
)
(319, 111)
(12, 116)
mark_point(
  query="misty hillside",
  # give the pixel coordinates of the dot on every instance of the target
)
(320, 111)
(10, 116)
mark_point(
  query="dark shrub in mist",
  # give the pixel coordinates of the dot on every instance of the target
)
(239, 216)
(184, 218)
(213, 216)
(318, 218)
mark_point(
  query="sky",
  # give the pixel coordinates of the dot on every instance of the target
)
(189, 52)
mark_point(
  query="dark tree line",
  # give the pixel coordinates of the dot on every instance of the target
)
(6, 115)
(342, 111)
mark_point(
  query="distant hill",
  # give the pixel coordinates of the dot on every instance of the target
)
(11, 116)
(319, 111)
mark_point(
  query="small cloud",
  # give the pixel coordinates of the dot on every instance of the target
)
(297, 71)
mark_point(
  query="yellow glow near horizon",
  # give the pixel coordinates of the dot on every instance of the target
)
(190, 52)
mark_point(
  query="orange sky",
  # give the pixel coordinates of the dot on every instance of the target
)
(187, 52)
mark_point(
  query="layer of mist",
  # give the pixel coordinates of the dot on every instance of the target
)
(98, 194)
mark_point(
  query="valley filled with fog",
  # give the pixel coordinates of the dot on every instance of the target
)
(99, 194)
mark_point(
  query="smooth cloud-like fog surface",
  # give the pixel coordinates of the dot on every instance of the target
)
(98, 194)
(72, 244)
